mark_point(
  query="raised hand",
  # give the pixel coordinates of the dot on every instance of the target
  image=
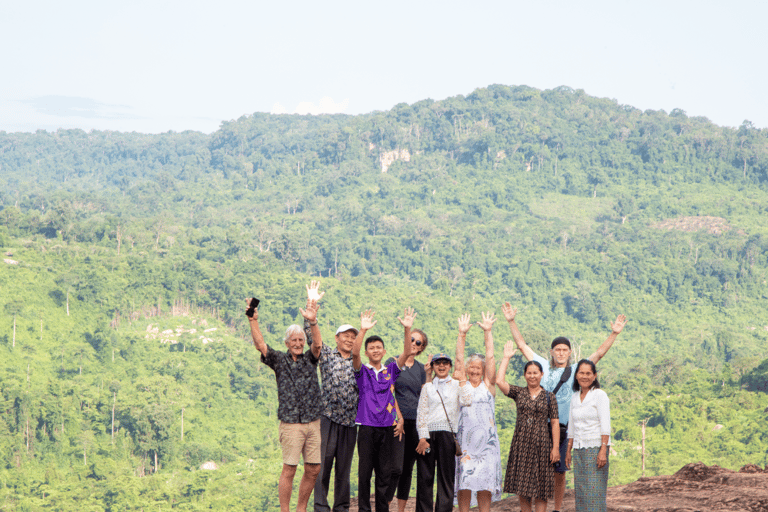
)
(509, 311)
(459, 374)
(464, 323)
(311, 312)
(487, 323)
(509, 349)
(313, 291)
(255, 311)
(366, 320)
(619, 324)
(408, 316)
(428, 368)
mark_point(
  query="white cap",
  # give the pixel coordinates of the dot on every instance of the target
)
(345, 328)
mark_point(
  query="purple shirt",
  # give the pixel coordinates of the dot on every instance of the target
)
(376, 406)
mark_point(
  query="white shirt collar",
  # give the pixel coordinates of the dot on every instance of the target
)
(375, 371)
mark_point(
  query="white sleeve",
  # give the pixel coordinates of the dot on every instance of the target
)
(422, 413)
(604, 413)
(465, 395)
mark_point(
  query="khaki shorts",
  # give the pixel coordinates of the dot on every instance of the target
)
(297, 439)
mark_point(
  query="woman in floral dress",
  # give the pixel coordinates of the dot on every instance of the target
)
(478, 470)
(530, 474)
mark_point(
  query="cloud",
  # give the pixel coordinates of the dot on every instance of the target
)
(326, 106)
(278, 108)
(73, 106)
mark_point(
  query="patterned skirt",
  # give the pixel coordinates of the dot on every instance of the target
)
(590, 482)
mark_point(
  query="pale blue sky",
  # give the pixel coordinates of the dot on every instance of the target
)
(154, 66)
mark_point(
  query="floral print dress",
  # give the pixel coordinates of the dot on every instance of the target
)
(479, 467)
(529, 472)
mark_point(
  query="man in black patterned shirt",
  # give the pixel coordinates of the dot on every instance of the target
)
(298, 404)
(338, 431)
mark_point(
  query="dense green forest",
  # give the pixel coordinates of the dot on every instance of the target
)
(126, 362)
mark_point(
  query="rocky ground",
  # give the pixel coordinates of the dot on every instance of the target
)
(695, 488)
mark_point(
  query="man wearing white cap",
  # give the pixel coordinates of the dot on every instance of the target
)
(338, 431)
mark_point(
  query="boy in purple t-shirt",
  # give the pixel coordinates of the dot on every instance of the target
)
(376, 411)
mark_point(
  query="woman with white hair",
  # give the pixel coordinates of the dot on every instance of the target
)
(478, 470)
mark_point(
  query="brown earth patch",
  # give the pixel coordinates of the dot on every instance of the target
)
(712, 225)
(694, 488)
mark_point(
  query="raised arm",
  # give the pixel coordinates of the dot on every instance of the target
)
(258, 339)
(509, 314)
(366, 323)
(616, 328)
(464, 326)
(313, 295)
(310, 317)
(509, 351)
(409, 315)
(490, 363)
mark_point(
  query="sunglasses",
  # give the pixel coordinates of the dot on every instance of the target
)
(417, 342)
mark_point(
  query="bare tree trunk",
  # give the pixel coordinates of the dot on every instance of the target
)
(114, 401)
(67, 302)
(119, 234)
(642, 456)
(155, 461)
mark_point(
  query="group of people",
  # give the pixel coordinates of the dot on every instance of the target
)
(401, 412)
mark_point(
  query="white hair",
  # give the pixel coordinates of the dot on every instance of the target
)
(294, 329)
(476, 357)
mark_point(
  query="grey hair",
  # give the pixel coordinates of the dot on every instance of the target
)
(293, 329)
(476, 357)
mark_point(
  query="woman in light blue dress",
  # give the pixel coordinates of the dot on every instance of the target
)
(478, 470)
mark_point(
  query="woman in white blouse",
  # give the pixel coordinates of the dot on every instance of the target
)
(437, 421)
(589, 435)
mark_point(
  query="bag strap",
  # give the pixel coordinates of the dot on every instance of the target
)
(444, 409)
(563, 379)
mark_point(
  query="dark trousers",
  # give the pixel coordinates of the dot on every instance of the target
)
(442, 455)
(404, 456)
(336, 442)
(374, 454)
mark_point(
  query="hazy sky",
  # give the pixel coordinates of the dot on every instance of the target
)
(154, 66)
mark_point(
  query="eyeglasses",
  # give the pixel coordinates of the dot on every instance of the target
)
(417, 342)
(441, 362)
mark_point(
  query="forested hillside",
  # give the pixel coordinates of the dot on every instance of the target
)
(123, 251)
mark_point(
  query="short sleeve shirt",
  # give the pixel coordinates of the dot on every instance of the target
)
(377, 395)
(339, 387)
(551, 379)
(298, 389)
(408, 388)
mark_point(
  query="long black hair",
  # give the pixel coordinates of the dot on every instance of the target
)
(595, 385)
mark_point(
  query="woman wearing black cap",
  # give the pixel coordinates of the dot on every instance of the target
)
(437, 421)
(558, 378)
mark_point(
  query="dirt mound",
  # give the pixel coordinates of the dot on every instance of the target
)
(699, 472)
(753, 468)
